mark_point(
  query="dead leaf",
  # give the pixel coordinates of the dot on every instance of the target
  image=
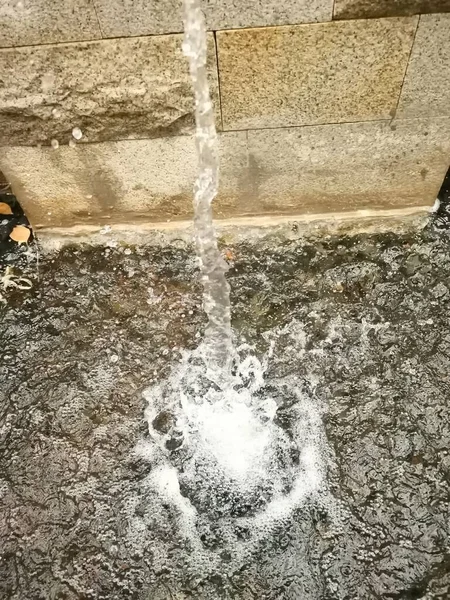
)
(20, 234)
(229, 254)
(5, 209)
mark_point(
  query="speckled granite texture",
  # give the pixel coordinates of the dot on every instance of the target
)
(326, 169)
(273, 67)
(122, 181)
(110, 89)
(139, 17)
(365, 9)
(426, 91)
(28, 22)
(304, 75)
(350, 166)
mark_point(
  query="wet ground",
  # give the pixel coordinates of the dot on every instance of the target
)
(360, 324)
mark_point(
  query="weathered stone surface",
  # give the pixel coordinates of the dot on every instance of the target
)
(309, 170)
(365, 9)
(139, 17)
(426, 91)
(110, 89)
(30, 22)
(120, 182)
(310, 74)
(349, 166)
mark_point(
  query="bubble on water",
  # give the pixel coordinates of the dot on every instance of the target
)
(77, 133)
(54, 144)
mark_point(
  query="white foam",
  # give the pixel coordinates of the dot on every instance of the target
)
(232, 446)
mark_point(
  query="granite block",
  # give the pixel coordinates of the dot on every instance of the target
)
(109, 89)
(119, 182)
(28, 22)
(310, 74)
(351, 166)
(426, 90)
(140, 17)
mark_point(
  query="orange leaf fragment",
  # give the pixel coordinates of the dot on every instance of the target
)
(229, 254)
(20, 234)
(5, 209)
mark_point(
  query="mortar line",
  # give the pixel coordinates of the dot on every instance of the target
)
(216, 47)
(406, 68)
(332, 10)
(97, 17)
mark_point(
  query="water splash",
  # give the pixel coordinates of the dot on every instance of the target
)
(221, 457)
(217, 345)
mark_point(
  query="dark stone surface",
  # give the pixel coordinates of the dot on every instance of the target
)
(366, 9)
(362, 323)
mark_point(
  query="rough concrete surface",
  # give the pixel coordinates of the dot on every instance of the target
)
(360, 322)
(310, 74)
(110, 89)
(426, 90)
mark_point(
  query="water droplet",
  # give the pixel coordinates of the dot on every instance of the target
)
(55, 144)
(56, 113)
(77, 133)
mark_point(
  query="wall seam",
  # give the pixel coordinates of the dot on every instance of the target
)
(408, 62)
(98, 20)
(216, 47)
(247, 131)
(242, 131)
(333, 10)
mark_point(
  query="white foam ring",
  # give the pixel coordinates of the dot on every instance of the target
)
(233, 462)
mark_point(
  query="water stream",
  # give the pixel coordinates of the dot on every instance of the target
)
(219, 456)
(216, 297)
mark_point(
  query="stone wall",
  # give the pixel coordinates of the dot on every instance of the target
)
(323, 106)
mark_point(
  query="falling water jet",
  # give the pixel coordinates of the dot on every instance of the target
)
(217, 348)
(219, 455)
